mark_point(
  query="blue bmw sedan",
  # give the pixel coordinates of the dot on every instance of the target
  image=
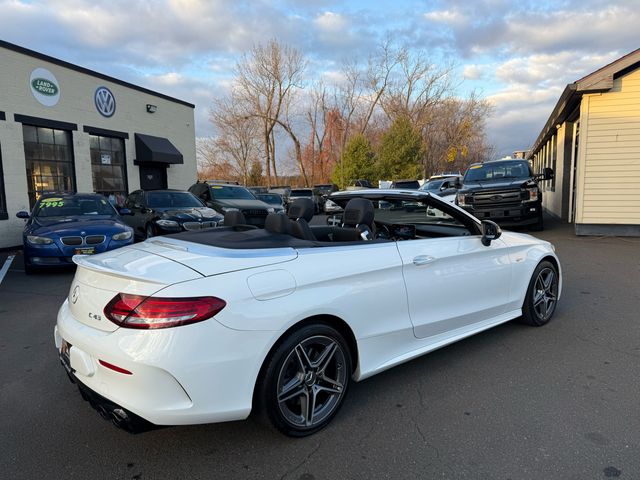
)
(64, 224)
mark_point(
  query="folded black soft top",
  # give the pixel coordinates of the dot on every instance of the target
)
(231, 237)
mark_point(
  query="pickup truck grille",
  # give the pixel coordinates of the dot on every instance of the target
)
(497, 198)
(255, 216)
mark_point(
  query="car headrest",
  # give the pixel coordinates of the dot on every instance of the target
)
(359, 211)
(234, 217)
(301, 208)
(277, 223)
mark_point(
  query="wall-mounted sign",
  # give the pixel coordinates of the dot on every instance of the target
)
(105, 102)
(44, 87)
(105, 159)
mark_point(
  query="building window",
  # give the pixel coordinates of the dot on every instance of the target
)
(3, 199)
(108, 168)
(49, 159)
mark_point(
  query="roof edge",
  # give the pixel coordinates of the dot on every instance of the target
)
(558, 115)
(62, 63)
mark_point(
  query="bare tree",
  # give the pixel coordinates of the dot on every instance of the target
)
(237, 137)
(418, 85)
(265, 78)
(456, 137)
(378, 75)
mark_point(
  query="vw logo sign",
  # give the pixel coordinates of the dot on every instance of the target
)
(75, 295)
(105, 102)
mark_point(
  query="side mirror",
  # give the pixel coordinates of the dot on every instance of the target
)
(334, 220)
(548, 174)
(23, 214)
(490, 231)
(125, 211)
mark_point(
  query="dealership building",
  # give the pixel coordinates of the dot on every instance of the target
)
(592, 142)
(67, 128)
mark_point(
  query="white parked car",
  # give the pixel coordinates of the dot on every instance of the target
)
(208, 326)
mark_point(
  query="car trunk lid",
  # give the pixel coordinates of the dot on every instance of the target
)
(209, 260)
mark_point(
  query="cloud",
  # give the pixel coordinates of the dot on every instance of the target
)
(448, 17)
(473, 72)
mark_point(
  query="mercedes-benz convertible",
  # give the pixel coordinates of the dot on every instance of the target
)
(212, 325)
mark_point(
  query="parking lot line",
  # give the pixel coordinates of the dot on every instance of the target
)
(5, 267)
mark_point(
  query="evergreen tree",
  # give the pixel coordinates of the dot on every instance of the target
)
(400, 153)
(358, 162)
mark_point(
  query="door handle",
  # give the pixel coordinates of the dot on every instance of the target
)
(423, 260)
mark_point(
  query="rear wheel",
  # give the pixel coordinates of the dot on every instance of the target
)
(305, 380)
(542, 295)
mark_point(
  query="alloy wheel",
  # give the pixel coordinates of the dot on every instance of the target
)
(312, 381)
(545, 293)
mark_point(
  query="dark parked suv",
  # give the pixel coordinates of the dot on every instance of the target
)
(505, 191)
(225, 198)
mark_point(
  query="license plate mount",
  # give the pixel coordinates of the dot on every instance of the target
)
(85, 251)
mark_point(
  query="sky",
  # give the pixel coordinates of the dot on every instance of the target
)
(517, 54)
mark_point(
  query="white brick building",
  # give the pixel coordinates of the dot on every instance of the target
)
(64, 127)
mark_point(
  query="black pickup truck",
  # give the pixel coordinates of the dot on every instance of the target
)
(505, 191)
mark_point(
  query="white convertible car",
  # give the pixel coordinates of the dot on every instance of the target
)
(208, 326)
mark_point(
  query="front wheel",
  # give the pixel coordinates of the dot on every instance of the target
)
(305, 380)
(539, 225)
(542, 295)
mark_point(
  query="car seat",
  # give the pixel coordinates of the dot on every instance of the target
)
(277, 223)
(300, 214)
(357, 221)
(237, 220)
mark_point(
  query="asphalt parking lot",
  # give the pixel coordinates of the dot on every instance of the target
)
(516, 402)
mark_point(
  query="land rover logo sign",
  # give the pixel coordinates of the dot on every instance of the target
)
(44, 87)
(105, 102)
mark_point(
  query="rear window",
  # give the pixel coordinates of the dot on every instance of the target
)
(301, 193)
(412, 185)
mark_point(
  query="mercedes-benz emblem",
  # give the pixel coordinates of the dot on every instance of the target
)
(105, 102)
(75, 294)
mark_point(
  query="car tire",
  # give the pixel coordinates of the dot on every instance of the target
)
(539, 225)
(304, 380)
(28, 268)
(542, 295)
(149, 231)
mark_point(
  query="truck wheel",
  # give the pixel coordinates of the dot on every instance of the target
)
(539, 225)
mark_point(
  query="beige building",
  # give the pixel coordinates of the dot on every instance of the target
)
(67, 128)
(592, 142)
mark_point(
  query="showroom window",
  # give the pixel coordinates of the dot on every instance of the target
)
(108, 168)
(3, 198)
(49, 159)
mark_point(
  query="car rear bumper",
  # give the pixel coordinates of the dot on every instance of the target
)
(178, 376)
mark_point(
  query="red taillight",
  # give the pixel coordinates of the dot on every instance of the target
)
(137, 311)
(115, 368)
